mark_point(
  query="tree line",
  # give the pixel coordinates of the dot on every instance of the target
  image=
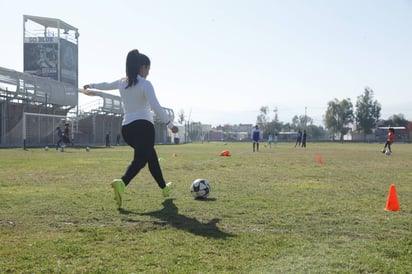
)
(340, 117)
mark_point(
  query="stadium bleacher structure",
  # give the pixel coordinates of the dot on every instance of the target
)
(51, 103)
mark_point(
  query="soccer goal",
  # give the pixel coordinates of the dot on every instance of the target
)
(40, 129)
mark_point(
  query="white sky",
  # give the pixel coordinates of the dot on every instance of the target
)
(221, 60)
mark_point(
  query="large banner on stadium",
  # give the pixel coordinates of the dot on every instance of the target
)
(41, 57)
(68, 62)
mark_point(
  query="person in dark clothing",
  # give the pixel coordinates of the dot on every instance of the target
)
(118, 139)
(66, 135)
(108, 139)
(60, 135)
(298, 138)
(304, 138)
(256, 135)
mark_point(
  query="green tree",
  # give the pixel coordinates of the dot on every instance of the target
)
(275, 125)
(262, 119)
(315, 132)
(368, 111)
(288, 127)
(338, 117)
(264, 122)
(396, 120)
(301, 121)
(181, 116)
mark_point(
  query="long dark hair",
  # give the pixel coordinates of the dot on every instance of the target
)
(144, 60)
(134, 62)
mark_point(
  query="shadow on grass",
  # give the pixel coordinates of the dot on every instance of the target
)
(170, 214)
(205, 199)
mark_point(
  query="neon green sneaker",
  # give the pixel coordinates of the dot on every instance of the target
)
(118, 185)
(166, 189)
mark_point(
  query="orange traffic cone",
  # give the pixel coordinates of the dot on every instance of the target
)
(392, 203)
(225, 153)
(320, 161)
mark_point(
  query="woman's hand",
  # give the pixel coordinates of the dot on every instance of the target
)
(86, 92)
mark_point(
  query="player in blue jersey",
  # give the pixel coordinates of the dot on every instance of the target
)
(256, 135)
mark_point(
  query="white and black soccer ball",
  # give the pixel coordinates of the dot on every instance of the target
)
(388, 152)
(200, 188)
(87, 149)
(46, 148)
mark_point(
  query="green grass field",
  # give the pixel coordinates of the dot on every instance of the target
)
(276, 211)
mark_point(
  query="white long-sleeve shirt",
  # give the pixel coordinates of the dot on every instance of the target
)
(138, 100)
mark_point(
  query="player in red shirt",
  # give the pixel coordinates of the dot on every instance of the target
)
(389, 141)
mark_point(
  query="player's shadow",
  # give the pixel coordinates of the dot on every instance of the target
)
(170, 214)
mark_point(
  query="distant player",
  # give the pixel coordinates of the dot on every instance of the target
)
(59, 133)
(389, 141)
(66, 135)
(304, 138)
(270, 140)
(298, 138)
(256, 134)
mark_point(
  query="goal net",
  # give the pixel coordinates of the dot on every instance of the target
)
(40, 129)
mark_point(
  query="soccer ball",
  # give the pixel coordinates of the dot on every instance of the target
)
(46, 148)
(87, 149)
(200, 188)
(388, 152)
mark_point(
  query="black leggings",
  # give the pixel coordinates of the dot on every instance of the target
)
(140, 135)
(388, 144)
